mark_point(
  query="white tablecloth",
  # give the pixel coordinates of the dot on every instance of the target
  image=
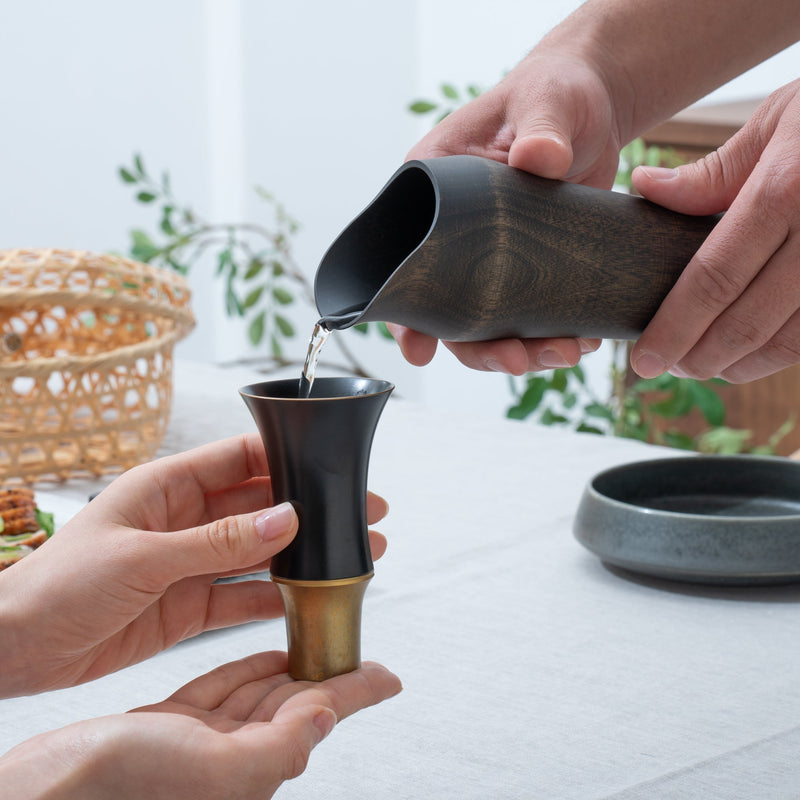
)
(530, 670)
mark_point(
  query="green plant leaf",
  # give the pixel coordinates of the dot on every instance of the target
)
(530, 399)
(578, 372)
(255, 331)
(600, 411)
(784, 430)
(284, 326)
(422, 107)
(708, 401)
(127, 176)
(558, 380)
(138, 163)
(449, 91)
(550, 417)
(677, 404)
(166, 221)
(679, 440)
(143, 248)
(282, 296)
(232, 304)
(224, 260)
(145, 197)
(652, 157)
(723, 440)
(252, 298)
(254, 268)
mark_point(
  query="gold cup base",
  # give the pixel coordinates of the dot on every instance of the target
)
(323, 625)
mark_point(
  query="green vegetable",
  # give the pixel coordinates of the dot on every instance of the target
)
(46, 522)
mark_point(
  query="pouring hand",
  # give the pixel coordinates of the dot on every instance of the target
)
(596, 81)
(552, 116)
(134, 571)
(735, 311)
(237, 732)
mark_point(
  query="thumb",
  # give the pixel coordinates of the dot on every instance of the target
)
(707, 186)
(541, 148)
(222, 545)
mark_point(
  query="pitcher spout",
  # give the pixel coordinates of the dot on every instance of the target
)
(370, 250)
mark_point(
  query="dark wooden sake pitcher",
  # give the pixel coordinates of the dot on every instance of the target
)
(466, 249)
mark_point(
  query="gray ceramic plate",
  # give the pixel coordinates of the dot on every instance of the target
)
(703, 519)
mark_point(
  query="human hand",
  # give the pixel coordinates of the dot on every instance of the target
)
(735, 310)
(552, 116)
(237, 732)
(133, 572)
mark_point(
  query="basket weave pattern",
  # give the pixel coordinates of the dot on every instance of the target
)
(86, 346)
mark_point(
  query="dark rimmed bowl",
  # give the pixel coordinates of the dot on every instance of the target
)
(703, 519)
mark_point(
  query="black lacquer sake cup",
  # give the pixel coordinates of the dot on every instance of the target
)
(318, 449)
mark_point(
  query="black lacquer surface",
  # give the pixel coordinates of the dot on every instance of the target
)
(318, 451)
(464, 248)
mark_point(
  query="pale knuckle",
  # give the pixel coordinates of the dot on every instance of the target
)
(782, 350)
(223, 536)
(737, 334)
(711, 170)
(779, 196)
(713, 286)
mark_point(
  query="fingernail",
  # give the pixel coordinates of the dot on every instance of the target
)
(649, 365)
(494, 366)
(678, 372)
(659, 173)
(553, 360)
(587, 346)
(325, 722)
(274, 522)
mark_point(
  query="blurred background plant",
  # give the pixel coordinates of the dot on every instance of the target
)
(678, 412)
(254, 261)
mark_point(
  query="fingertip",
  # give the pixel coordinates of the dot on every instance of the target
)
(417, 348)
(547, 154)
(648, 365)
(377, 507)
(589, 345)
(324, 722)
(506, 356)
(654, 174)
(276, 522)
(377, 544)
(389, 683)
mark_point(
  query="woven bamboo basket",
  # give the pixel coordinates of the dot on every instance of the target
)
(86, 345)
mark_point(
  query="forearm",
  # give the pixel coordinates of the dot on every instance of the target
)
(658, 56)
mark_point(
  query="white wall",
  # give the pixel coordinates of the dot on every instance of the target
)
(305, 98)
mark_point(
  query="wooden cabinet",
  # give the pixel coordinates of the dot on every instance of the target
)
(764, 405)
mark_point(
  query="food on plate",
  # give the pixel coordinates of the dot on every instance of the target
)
(23, 526)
